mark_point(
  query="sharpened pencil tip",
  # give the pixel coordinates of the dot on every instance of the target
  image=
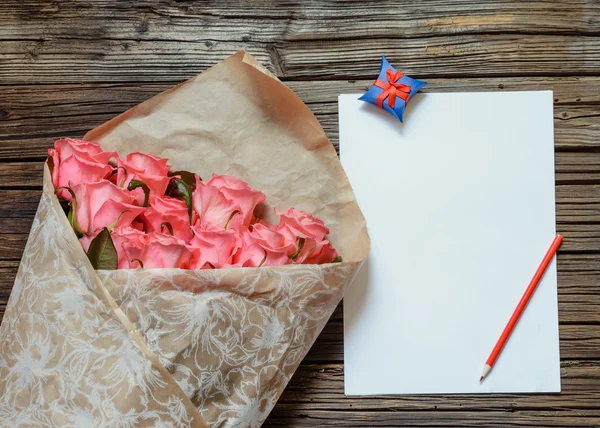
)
(481, 379)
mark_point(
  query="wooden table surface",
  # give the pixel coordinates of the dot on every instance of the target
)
(67, 66)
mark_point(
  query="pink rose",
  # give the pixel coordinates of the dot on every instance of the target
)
(157, 222)
(127, 236)
(102, 204)
(216, 247)
(256, 256)
(158, 251)
(151, 170)
(252, 254)
(322, 252)
(268, 237)
(300, 242)
(213, 209)
(238, 190)
(303, 223)
(77, 161)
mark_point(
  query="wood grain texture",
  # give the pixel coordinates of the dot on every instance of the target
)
(298, 416)
(267, 21)
(31, 117)
(99, 60)
(141, 41)
(66, 67)
(321, 387)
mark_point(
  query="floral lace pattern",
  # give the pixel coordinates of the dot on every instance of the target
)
(154, 347)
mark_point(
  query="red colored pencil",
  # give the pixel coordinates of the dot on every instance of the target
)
(521, 307)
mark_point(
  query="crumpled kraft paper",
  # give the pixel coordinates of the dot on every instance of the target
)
(170, 347)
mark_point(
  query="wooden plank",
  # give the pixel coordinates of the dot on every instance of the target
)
(322, 386)
(19, 203)
(31, 117)
(12, 244)
(567, 90)
(577, 168)
(577, 204)
(171, 41)
(25, 101)
(472, 55)
(306, 20)
(21, 174)
(18, 225)
(302, 415)
(77, 60)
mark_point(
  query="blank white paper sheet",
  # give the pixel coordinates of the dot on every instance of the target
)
(459, 202)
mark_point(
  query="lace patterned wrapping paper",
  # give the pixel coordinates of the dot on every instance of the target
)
(170, 347)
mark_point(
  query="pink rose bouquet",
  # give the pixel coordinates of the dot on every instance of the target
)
(180, 296)
(136, 212)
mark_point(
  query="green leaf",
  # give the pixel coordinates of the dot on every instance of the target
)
(102, 252)
(73, 222)
(134, 184)
(181, 190)
(338, 259)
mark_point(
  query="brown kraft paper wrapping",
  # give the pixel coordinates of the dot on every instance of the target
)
(170, 347)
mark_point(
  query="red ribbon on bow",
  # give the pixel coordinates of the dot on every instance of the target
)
(392, 89)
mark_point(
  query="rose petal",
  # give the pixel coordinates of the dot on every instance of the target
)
(303, 222)
(214, 247)
(85, 149)
(238, 190)
(214, 210)
(76, 170)
(100, 205)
